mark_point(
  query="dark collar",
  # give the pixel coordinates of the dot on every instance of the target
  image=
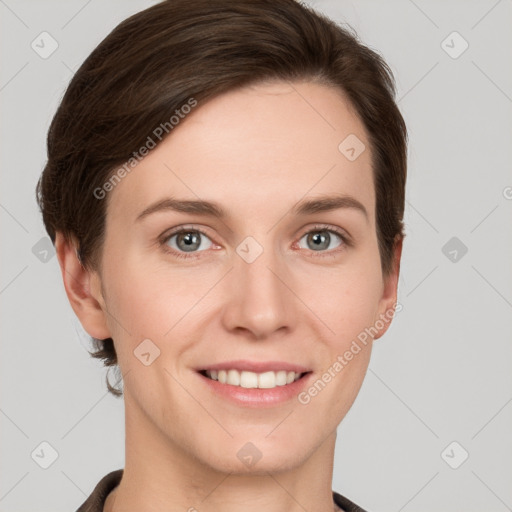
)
(96, 501)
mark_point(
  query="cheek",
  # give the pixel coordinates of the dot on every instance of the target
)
(345, 299)
(162, 304)
(150, 305)
(345, 303)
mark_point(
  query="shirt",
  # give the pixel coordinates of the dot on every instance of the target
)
(96, 501)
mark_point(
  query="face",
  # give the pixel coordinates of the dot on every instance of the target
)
(271, 291)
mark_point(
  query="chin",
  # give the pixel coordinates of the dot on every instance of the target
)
(258, 458)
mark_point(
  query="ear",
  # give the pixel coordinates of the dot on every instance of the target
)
(83, 288)
(388, 301)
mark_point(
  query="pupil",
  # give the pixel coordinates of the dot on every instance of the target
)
(191, 241)
(321, 237)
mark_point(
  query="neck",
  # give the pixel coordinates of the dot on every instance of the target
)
(162, 475)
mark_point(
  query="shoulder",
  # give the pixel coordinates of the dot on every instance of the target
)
(96, 500)
(345, 504)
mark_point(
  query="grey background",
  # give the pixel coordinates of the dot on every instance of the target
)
(442, 373)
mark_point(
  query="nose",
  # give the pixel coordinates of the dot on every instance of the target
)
(261, 301)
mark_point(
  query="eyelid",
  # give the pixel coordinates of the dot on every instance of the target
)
(178, 229)
(343, 234)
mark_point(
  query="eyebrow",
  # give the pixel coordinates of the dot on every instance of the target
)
(329, 203)
(211, 209)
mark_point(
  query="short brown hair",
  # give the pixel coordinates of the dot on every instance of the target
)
(156, 60)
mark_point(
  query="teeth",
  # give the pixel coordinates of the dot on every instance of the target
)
(233, 378)
(266, 380)
(281, 378)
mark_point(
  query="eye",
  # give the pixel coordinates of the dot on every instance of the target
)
(321, 238)
(188, 242)
(185, 240)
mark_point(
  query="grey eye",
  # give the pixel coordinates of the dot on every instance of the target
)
(187, 241)
(319, 240)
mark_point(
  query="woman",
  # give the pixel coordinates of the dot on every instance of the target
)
(225, 190)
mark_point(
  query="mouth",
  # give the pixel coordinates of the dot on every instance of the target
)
(253, 380)
(247, 383)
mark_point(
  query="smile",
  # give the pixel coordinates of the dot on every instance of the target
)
(255, 383)
(251, 380)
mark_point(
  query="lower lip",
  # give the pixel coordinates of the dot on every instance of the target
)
(257, 397)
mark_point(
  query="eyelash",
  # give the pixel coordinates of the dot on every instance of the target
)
(317, 228)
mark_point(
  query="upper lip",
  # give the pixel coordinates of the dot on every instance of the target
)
(256, 366)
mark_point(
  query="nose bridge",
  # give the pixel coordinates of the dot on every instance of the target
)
(261, 299)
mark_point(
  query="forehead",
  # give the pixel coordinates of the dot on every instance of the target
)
(266, 145)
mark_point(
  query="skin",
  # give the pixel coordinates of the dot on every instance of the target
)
(256, 151)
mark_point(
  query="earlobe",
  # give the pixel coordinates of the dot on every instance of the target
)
(388, 300)
(80, 285)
